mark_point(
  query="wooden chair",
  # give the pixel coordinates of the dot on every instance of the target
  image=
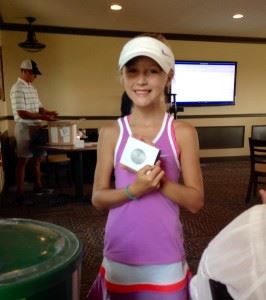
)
(257, 166)
(258, 132)
(56, 164)
(9, 159)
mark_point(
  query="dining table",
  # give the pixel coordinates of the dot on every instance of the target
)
(76, 156)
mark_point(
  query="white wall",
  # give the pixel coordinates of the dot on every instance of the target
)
(80, 77)
(79, 72)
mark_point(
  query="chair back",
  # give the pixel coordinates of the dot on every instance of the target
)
(9, 159)
(257, 148)
(258, 132)
(257, 152)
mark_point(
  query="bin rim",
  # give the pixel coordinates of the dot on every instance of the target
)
(70, 252)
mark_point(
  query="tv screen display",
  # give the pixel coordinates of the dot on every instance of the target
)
(197, 83)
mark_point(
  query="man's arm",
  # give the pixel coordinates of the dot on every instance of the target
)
(42, 110)
(24, 114)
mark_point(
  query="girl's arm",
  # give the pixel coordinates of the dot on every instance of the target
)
(190, 194)
(103, 194)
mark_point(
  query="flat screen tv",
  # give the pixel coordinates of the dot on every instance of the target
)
(198, 83)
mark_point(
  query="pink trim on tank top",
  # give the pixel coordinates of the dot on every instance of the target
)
(172, 134)
(174, 139)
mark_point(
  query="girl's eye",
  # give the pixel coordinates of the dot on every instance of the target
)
(131, 70)
(154, 71)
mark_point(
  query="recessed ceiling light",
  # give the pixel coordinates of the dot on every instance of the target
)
(116, 6)
(238, 16)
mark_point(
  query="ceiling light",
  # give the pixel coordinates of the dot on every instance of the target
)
(238, 16)
(31, 44)
(116, 7)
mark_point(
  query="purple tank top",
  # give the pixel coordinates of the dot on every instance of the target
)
(148, 230)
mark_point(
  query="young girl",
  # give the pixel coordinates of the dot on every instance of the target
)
(143, 248)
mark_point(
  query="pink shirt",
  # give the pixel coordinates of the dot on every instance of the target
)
(148, 230)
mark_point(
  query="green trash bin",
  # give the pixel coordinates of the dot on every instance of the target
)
(38, 260)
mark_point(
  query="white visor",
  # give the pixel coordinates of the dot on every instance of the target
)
(150, 47)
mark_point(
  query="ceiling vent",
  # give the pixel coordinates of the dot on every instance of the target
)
(31, 44)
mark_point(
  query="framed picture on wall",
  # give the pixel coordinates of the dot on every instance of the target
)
(2, 92)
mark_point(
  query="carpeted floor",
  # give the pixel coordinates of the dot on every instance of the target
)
(225, 188)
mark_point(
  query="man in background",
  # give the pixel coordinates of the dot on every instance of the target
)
(28, 114)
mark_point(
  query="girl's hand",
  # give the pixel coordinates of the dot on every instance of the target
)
(147, 180)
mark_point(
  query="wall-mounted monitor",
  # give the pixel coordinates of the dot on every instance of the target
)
(197, 83)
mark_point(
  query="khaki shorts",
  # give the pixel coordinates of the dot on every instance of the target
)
(23, 140)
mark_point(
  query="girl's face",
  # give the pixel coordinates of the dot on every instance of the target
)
(144, 81)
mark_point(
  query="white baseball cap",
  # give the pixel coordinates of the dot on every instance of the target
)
(150, 47)
(29, 64)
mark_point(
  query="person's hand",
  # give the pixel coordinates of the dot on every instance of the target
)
(49, 117)
(52, 113)
(147, 180)
(263, 195)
